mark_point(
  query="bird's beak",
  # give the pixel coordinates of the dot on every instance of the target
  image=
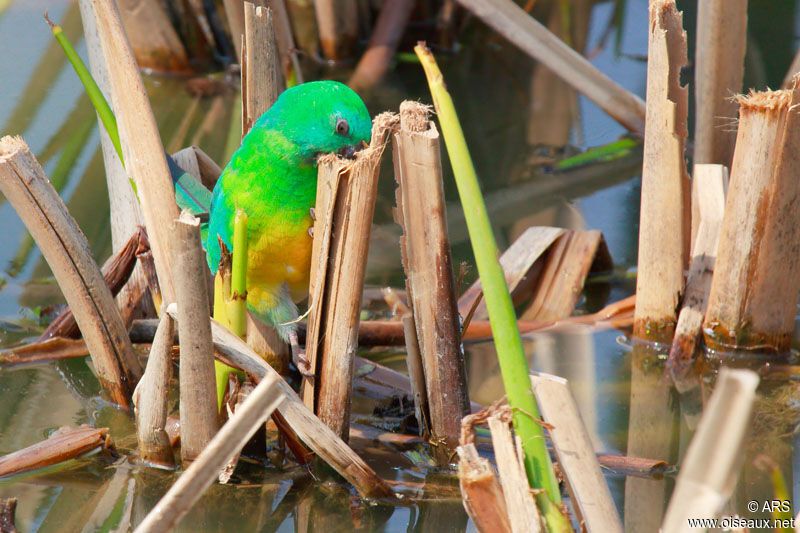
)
(349, 152)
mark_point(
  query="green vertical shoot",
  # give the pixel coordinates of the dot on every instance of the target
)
(513, 365)
(237, 301)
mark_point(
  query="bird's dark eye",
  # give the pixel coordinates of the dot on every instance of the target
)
(342, 127)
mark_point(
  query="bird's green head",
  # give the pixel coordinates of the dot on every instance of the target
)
(320, 117)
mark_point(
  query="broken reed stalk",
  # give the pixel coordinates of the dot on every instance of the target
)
(154, 41)
(25, 186)
(316, 435)
(337, 22)
(752, 303)
(481, 493)
(251, 415)
(591, 500)
(346, 193)
(198, 411)
(260, 65)
(709, 182)
(709, 471)
(386, 35)
(523, 514)
(428, 265)
(152, 396)
(511, 356)
(8, 509)
(65, 444)
(719, 67)
(125, 213)
(511, 21)
(142, 146)
(664, 222)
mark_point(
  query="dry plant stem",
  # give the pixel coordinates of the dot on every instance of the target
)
(709, 183)
(522, 264)
(590, 497)
(154, 41)
(116, 272)
(481, 492)
(125, 211)
(337, 21)
(141, 143)
(234, 11)
(8, 508)
(523, 513)
(52, 349)
(429, 271)
(198, 409)
(719, 67)
(663, 223)
(510, 20)
(377, 59)
(65, 444)
(756, 282)
(260, 67)
(152, 395)
(250, 416)
(567, 263)
(709, 471)
(284, 38)
(25, 186)
(311, 431)
(345, 226)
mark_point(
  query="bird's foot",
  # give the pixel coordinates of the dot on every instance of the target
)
(299, 357)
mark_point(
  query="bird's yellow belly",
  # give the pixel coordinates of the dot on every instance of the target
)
(275, 259)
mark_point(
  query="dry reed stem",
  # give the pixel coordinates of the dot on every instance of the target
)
(510, 20)
(523, 513)
(234, 12)
(709, 183)
(522, 265)
(346, 201)
(284, 38)
(143, 150)
(591, 499)
(25, 186)
(428, 265)
(664, 220)
(154, 41)
(719, 67)
(124, 209)
(201, 474)
(316, 435)
(198, 409)
(481, 492)
(151, 398)
(337, 21)
(752, 303)
(709, 471)
(386, 35)
(260, 65)
(65, 444)
(8, 509)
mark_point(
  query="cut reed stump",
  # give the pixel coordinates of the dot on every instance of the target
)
(143, 150)
(481, 492)
(709, 183)
(151, 398)
(719, 67)
(261, 77)
(429, 271)
(154, 41)
(337, 21)
(664, 219)
(346, 193)
(25, 186)
(8, 509)
(198, 409)
(756, 281)
(709, 471)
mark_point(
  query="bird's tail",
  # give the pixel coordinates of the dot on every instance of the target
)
(191, 195)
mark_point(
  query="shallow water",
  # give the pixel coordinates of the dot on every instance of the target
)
(621, 398)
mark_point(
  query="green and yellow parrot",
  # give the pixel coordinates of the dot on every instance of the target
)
(273, 178)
